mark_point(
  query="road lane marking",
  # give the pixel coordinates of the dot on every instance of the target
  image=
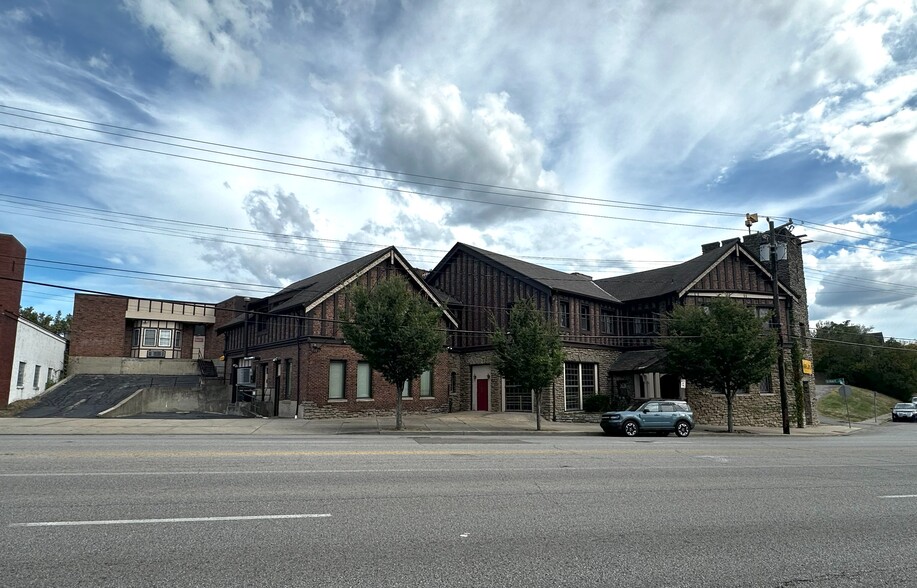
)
(176, 520)
(900, 496)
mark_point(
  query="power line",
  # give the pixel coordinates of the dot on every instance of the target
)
(560, 197)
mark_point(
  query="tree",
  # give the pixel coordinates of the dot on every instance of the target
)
(530, 354)
(396, 331)
(863, 358)
(57, 323)
(723, 346)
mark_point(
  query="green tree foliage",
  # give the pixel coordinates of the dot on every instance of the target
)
(57, 323)
(723, 347)
(862, 358)
(530, 354)
(396, 330)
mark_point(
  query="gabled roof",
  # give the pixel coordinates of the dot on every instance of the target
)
(546, 278)
(309, 292)
(637, 361)
(676, 279)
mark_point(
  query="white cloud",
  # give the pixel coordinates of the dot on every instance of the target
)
(213, 39)
(873, 128)
(301, 15)
(426, 127)
(283, 252)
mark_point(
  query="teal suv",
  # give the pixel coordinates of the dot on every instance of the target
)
(656, 416)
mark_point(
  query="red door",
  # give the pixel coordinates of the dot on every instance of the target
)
(482, 394)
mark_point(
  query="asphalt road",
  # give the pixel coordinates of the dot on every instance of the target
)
(459, 511)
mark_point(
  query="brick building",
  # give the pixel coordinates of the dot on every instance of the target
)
(12, 268)
(112, 326)
(30, 356)
(285, 354)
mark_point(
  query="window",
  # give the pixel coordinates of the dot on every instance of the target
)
(515, 398)
(165, 337)
(364, 380)
(585, 317)
(336, 380)
(177, 344)
(579, 383)
(765, 386)
(426, 383)
(651, 407)
(645, 325)
(406, 389)
(607, 322)
(149, 337)
(135, 340)
(36, 377)
(20, 378)
(564, 314)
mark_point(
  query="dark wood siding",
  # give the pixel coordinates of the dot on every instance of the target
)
(485, 293)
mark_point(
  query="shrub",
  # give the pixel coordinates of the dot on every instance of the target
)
(597, 403)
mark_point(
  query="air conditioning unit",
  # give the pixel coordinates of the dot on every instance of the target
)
(156, 353)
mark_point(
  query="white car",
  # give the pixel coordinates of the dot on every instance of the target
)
(904, 411)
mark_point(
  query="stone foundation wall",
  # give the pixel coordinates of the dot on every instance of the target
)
(310, 410)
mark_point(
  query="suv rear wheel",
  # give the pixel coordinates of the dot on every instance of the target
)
(631, 428)
(682, 429)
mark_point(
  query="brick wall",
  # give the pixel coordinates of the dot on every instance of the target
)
(99, 328)
(310, 372)
(12, 264)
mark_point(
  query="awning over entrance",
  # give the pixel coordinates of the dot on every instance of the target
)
(650, 360)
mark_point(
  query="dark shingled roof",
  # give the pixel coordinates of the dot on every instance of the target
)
(665, 280)
(308, 290)
(549, 278)
(636, 361)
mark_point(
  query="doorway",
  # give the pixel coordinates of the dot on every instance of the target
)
(480, 386)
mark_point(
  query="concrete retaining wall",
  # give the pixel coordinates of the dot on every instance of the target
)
(132, 366)
(167, 399)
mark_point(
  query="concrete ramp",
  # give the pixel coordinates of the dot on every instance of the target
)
(85, 395)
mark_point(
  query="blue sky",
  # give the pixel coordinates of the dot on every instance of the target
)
(232, 146)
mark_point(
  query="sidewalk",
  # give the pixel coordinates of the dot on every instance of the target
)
(460, 423)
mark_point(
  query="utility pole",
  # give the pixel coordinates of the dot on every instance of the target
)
(784, 408)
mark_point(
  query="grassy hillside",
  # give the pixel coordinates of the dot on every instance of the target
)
(860, 403)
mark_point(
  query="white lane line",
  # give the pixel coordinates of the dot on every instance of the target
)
(900, 496)
(185, 520)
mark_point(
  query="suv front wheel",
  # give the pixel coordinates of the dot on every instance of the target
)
(682, 429)
(631, 428)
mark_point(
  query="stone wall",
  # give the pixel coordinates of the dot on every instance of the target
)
(554, 401)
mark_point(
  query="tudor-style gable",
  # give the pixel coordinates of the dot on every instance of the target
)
(483, 286)
(310, 308)
(726, 269)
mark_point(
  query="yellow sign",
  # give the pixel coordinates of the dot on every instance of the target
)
(807, 367)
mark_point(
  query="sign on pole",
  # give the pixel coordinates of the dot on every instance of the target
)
(844, 391)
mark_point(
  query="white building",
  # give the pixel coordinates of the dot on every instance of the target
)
(37, 360)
